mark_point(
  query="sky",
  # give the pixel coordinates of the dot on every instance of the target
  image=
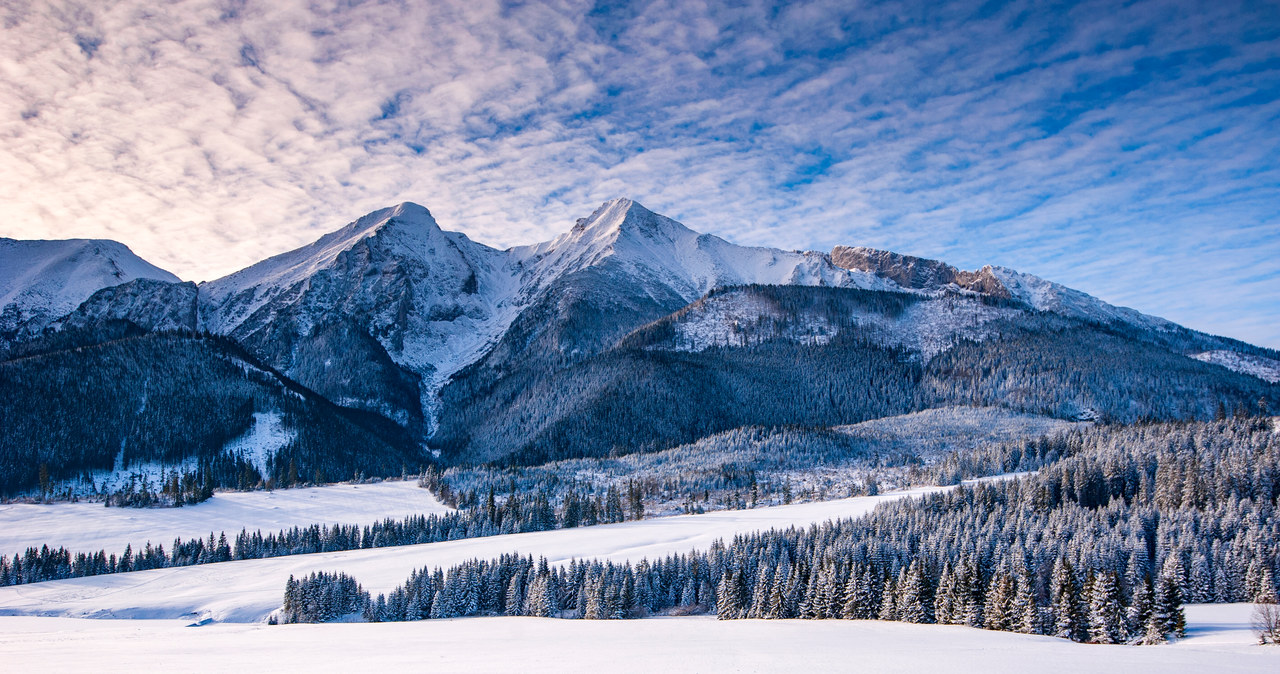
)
(1127, 149)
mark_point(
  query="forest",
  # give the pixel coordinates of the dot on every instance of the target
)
(1119, 528)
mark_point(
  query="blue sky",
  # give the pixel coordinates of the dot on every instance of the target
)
(1125, 149)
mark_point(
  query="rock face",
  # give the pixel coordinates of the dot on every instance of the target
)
(916, 272)
(148, 304)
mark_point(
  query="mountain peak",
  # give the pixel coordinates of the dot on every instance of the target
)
(625, 218)
(406, 216)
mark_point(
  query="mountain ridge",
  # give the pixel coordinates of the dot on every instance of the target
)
(395, 316)
(41, 280)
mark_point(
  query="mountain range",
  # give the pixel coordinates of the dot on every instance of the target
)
(629, 332)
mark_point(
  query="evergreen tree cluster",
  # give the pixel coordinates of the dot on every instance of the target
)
(178, 488)
(1104, 545)
(754, 466)
(322, 597)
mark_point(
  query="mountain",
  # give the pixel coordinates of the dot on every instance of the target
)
(44, 280)
(639, 334)
(632, 332)
(370, 315)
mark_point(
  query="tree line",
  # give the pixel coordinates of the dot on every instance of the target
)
(481, 516)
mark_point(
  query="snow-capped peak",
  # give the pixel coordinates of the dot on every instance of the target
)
(623, 217)
(44, 280)
(660, 249)
(405, 217)
(408, 229)
(618, 225)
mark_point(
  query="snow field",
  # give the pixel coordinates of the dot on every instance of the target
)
(1219, 641)
(248, 590)
(89, 527)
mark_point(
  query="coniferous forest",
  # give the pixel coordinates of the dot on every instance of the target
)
(1103, 544)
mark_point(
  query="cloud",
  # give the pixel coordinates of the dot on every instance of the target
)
(1126, 149)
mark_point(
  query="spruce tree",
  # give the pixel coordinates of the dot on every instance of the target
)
(1168, 615)
(1106, 613)
(728, 600)
(1068, 623)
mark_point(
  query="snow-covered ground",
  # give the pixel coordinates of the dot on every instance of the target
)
(248, 590)
(43, 624)
(90, 527)
(1219, 641)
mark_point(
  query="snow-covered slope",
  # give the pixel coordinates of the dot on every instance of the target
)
(44, 280)
(934, 277)
(1263, 368)
(1059, 299)
(432, 300)
(248, 590)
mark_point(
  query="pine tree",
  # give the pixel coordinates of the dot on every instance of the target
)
(914, 603)
(998, 607)
(889, 600)
(969, 594)
(760, 593)
(944, 602)
(1141, 609)
(1026, 611)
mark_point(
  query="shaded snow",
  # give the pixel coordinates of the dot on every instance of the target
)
(1263, 368)
(691, 644)
(91, 527)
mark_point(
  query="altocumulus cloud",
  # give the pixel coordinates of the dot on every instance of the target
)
(1128, 149)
